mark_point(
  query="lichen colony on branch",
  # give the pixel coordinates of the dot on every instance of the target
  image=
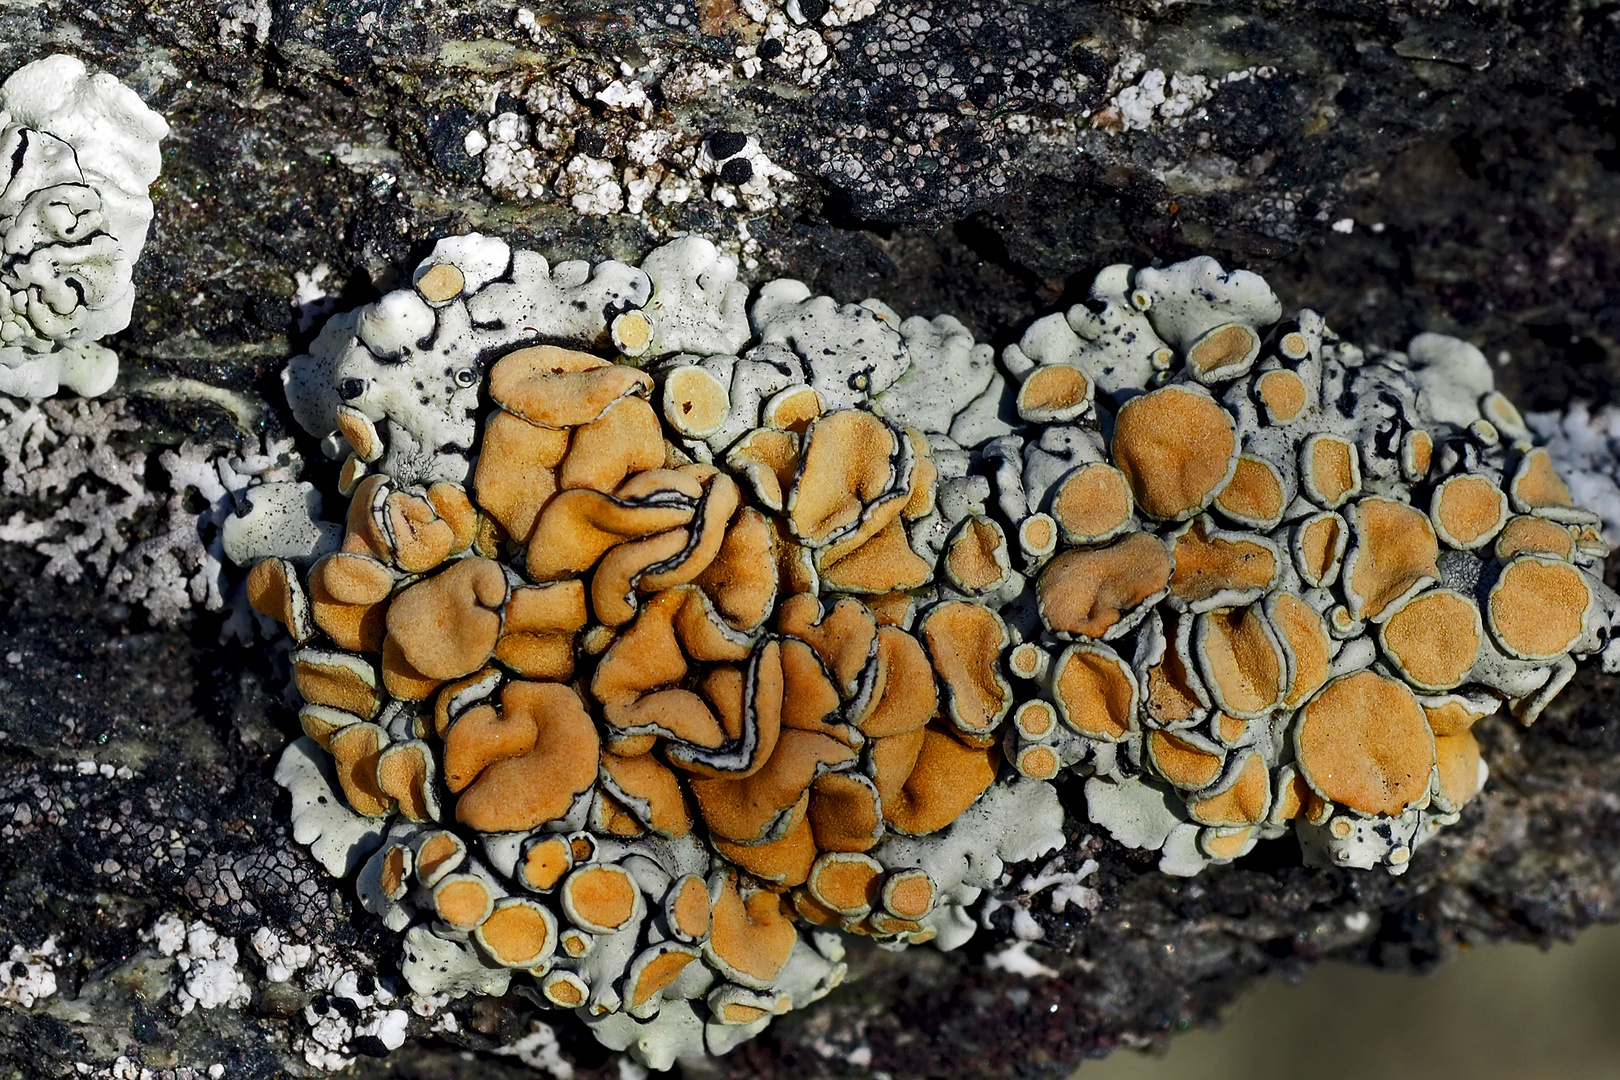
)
(671, 634)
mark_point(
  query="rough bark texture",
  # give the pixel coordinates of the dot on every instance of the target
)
(1478, 136)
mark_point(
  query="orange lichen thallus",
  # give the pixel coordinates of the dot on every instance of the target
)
(606, 637)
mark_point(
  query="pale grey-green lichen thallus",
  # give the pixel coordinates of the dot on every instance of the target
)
(77, 154)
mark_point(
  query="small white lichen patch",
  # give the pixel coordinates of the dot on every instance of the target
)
(27, 975)
(1065, 891)
(1014, 959)
(310, 298)
(1065, 885)
(244, 20)
(282, 958)
(125, 1067)
(691, 79)
(513, 168)
(1142, 99)
(591, 186)
(625, 96)
(803, 57)
(639, 157)
(371, 1011)
(168, 934)
(350, 1010)
(524, 19)
(539, 1050)
(207, 961)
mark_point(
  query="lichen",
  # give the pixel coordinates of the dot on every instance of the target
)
(207, 961)
(637, 156)
(670, 631)
(783, 716)
(28, 975)
(79, 153)
(79, 482)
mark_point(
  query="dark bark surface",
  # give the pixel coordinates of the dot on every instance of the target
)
(1471, 145)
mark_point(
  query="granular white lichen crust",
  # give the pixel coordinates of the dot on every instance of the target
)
(676, 629)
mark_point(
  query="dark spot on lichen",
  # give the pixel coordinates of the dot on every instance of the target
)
(724, 144)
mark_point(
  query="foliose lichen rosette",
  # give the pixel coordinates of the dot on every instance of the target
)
(640, 680)
(672, 631)
(77, 154)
